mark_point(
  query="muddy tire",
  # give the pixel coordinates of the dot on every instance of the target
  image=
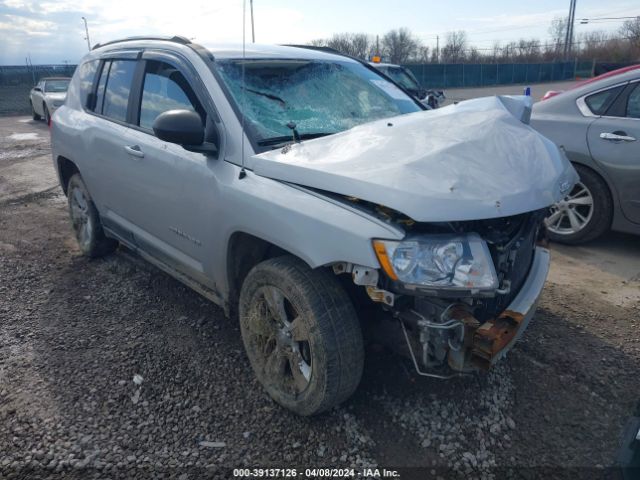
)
(585, 213)
(34, 115)
(301, 334)
(86, 221)
(47, 115)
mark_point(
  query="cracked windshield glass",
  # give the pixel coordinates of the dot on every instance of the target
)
(312, 97)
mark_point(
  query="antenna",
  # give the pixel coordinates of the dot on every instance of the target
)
(243, 173)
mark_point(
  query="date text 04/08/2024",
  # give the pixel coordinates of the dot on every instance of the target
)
(315, 473)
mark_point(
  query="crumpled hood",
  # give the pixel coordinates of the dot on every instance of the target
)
(469, 161)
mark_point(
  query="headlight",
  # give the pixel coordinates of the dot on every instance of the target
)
(452, 262)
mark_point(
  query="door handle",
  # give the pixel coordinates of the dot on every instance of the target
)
(134, 150)
(617, 137)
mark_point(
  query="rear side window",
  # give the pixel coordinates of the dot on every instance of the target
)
(165, 88)
(116, 94)
(633, 104)
(102, 83)
(87, 75)
(599, 102)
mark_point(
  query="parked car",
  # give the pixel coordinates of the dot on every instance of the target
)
(309, 195)
(48, 94)
(408, 81)
(597, 124)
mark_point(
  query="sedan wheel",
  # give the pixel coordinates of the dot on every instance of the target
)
(572, 214)
(585, 213)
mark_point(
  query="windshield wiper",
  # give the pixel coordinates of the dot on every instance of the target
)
(289, 138)
(270, 96)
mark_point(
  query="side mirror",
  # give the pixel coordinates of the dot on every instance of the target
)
(183, 127)
(37, 89)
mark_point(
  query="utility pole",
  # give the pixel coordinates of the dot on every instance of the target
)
(86, 29)
(568, 38)
(437, 48)
(378, 45)
(253, 32)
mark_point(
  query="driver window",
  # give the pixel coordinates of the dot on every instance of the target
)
(165, 88)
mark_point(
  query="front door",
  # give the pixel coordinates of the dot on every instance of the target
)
(173, 192)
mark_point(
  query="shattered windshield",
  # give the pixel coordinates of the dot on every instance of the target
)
(313, 97)
(401, 76)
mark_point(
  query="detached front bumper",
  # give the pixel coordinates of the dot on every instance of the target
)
(493, 339)
(462, 341)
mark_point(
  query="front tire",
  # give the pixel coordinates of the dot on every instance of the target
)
(585, 213)
(301, 334)
(47, 115)
(86, 221)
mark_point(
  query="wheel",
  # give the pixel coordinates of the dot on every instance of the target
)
(301, 334)
(585, 213)
(47, 116)
(86, 221)
(33, 112)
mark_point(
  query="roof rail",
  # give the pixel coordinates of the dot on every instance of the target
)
(317, 48)
(175, 38)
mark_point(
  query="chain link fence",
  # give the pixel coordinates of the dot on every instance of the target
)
(16, 82)
(482, 75)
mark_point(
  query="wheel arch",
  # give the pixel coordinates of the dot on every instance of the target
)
(602, 176)
(244, 251)
(66, 169)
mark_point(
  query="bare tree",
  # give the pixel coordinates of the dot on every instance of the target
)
(399, 46)
(631, 31)
(455, 47)
(354, 44)
(318, 42)
(557, 31)
(357, 45)
(423, 55)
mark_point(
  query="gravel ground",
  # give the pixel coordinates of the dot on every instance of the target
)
(111, 369)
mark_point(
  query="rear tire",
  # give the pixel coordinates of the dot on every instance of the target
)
(86, 221)
(301, 334)
(592, 219)
(34, 115)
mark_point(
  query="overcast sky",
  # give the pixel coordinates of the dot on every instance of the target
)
(53, 31)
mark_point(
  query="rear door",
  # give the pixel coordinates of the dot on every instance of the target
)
(614, 142)
(107, 178)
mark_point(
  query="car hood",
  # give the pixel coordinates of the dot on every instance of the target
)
(56, 95)
(474, 160)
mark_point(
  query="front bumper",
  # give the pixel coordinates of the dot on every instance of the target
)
(466, 343)
(493, 339)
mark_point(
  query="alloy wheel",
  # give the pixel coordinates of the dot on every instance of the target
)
(573, 213)
(81, 218)
(280, 342)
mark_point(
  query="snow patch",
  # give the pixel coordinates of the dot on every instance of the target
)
(24, 136)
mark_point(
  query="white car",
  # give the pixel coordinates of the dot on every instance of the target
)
(47, 95)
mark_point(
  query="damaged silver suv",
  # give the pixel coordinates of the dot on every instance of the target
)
(317, 201)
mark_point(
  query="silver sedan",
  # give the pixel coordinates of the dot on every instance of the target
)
(597, 124)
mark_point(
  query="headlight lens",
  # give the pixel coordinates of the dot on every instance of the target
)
(457, 262)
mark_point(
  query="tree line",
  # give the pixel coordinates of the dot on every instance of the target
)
(403, 47)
